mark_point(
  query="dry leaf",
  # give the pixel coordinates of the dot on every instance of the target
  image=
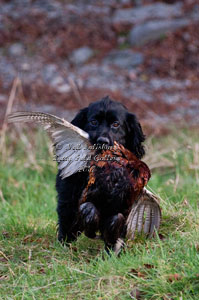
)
(141, 275)
(148, 266)
(185, 202)
(138, 273)
(42, 271)
(4, 277)
(134, 272)
(174, 277)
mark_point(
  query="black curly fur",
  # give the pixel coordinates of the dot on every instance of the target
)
(106, 209)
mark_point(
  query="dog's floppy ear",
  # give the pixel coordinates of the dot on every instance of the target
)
(135, 136)
(80, 119)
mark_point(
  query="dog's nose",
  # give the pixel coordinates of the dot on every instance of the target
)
(103, 140)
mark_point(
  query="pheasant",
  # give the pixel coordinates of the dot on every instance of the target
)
(116, 180)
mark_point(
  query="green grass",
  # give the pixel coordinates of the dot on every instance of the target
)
(34, 266)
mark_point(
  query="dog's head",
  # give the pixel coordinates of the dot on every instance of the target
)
(107, 121)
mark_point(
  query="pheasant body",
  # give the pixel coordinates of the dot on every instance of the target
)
(113, 187)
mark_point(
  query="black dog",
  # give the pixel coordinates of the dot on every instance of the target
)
(105, 121)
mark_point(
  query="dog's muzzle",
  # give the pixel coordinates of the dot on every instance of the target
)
(103, 140)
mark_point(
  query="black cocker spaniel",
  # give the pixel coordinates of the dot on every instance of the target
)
(101, 180)
(105, 121)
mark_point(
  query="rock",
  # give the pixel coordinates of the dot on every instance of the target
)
(138, 2)
(25, 66)
(141, 93)
(83, 8)
(49, 72)
(125, 59)
(195, 13)
(171, 98)
(101, 76)
(57, 80)
(154, 30)
(3, 98)
(16, 49)
(81, 55)
(7, 72)
(2, 26)
(64, 88)
(131, 16)
(169, 83)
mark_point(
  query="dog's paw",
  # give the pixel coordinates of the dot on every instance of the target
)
(90, 219)
(89, 213)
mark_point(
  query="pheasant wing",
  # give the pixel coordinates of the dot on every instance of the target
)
(71, 143)
(145, 215)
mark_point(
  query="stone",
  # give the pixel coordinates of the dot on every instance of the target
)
(49, 72)
(56, 81)
(52, 77)
(140, 14)
(154, 30)
(101, 76)
(169, 83)
(16, 49)
(7, 72)
(81, 55)
(3, 98)
(63, 88)
(195, 13)
(25, 66)
(125, 59)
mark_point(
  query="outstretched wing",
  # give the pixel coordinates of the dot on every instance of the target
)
(71, 144)
(145, 215)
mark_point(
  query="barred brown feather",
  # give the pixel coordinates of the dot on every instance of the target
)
(63, 134)
(147, 204)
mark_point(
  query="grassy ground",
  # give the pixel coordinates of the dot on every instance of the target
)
(34, 266)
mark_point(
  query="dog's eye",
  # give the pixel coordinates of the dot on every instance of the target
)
(115, 124)
(94, 122)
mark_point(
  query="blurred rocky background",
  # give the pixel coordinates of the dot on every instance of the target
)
(57, 56)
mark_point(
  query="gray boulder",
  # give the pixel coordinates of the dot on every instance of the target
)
(153, 11)
(16, 49)
(154, 30)
(125, 59)
(81, 55)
